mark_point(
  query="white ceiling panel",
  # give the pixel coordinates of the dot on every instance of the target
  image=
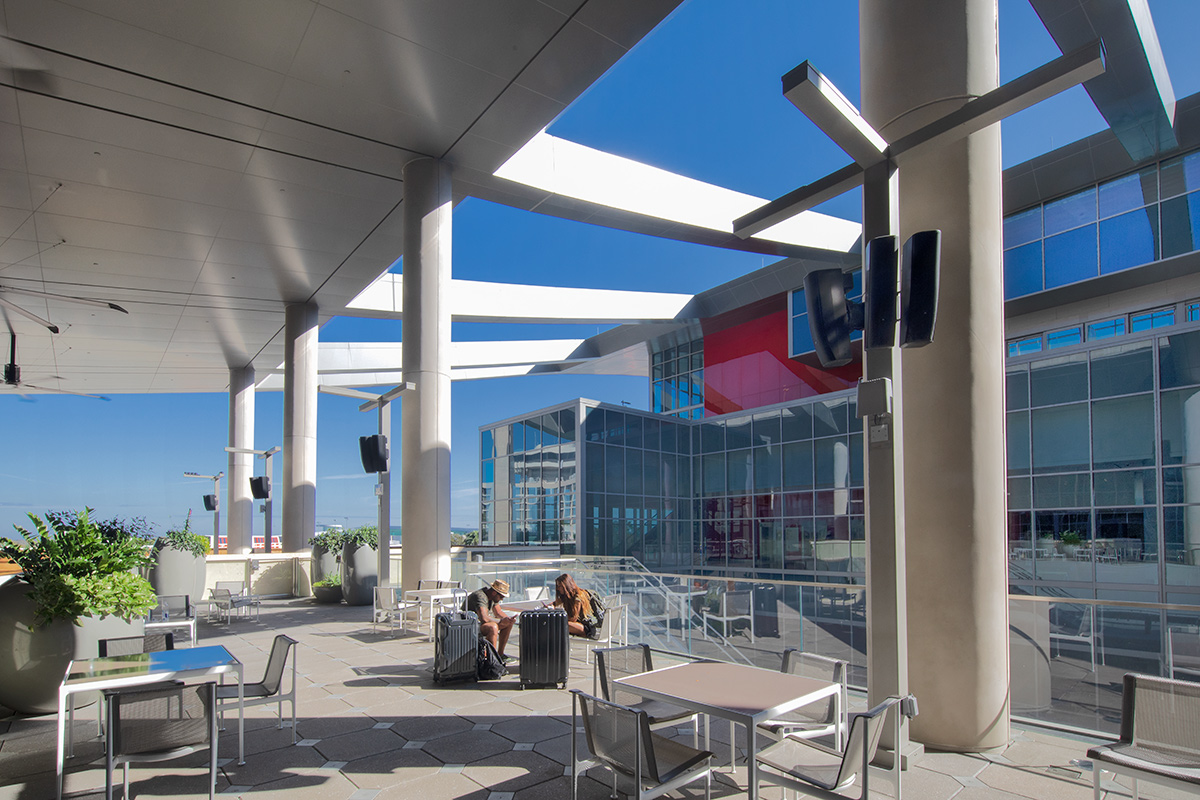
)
(117, 205)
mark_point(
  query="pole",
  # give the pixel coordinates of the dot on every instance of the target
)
(217, 512)
(267, 501)
(384, 550)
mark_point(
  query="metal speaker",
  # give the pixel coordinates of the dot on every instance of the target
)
(374, 452)
(919, 267)
(260, 487)
(828, 316)
(879, 282)
(210, 502)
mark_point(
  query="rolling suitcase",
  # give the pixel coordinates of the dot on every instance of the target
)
(455, 646)
(766, 610)
(545, 649)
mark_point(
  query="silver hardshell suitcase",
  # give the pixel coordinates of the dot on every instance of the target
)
(455, 646)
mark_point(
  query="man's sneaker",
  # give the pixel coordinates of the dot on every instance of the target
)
(505, 659)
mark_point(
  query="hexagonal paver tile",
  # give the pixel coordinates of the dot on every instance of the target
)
(544, 700)
(441, 785)
(1031, 783)
(360, 743)
(531, 729)
(391, 768)
(467, 747)
(327, 727)
(560, 787)
(428, 728)
(323, 785)
(260, 740)
(511, 771)
(559, 748)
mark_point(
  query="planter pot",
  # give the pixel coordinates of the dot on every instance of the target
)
(324, 564)
(327, 594)
(360, 574)
(34, 660)
(178, 572)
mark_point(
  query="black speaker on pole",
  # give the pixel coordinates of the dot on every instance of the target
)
(879, 283)
(210, 502)
(260, 487)
(919, 267)
(828, 315)
(374, 452)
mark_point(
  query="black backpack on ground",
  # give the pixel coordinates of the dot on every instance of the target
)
(488, 666)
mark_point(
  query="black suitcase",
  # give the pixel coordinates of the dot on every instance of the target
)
(455, 646)
(766, 610)
(545, 649)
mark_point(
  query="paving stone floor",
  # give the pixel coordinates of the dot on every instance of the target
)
(372, 725)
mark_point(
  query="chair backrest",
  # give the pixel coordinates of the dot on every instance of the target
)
(613, 732)
(385, 597)
(811, 665)
(537, 593)
(1183, 652)
(865, 732)
(233, 587)
(737, 603)
(273, 675)
(130, 645)
(177, 605)
(1163, 714)
(160, 719)
(621, 662)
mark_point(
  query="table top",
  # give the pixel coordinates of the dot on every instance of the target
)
(138, 665)
(716, 686)
(433, 594)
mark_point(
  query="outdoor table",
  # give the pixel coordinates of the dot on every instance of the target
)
(742, 694)
(120, 672)
(674, 595)
(428, 599)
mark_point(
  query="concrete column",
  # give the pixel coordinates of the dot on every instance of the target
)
(425, 412)
(299, 426)
(239, 507)
(920, 60)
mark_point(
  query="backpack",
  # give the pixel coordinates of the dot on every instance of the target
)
(488, 666)
(598, 609)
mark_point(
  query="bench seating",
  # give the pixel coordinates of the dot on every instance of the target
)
(1160, 736)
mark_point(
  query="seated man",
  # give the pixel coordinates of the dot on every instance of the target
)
(494, 624)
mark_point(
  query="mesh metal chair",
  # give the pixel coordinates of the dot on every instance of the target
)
(644, 764)
(1084, 632)
(613, 631)
(130, 645)
(818, 719)
(453, 602)
(228, 602)
(158, 724)
(613, 663)
(1160, 736)
(820, 771)
(175, 611)
(268, 690)
(734, 606)
(391, 607)
(1183, 654)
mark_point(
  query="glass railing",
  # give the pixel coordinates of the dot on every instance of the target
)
(1068, 655)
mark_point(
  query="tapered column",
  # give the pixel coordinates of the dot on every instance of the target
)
(239, 506)
(299, 426)
(920, 60)
(425, 411)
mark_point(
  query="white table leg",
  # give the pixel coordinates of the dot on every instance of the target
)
(241, 717)
(752, 760)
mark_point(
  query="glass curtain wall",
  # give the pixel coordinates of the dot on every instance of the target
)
(677, 380)
(1104, 471)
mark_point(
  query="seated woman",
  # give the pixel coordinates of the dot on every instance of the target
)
(581, 618)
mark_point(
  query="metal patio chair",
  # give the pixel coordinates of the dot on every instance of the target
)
(613, 663)
(818, 719)
(734, 606)
(643, 764)
(391, 607)
(267, 690)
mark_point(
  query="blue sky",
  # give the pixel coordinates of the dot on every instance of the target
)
(701, 97)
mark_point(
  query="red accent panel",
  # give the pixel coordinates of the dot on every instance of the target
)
(746, 366)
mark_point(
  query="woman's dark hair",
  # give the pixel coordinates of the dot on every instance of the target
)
(567, 592)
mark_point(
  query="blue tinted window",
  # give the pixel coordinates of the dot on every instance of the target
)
(1128, 192)
(485, 444)
(518, 437)
(1159, 318)
(1107, 329)
(1071, 257)
(1192, 312)
(1063, 338)
(801, 336)
(1180, 225)
(1180, 175)
(1025, 346)
(1071, 212)
(1129, 240)
(1023, 228)
(1023, 270)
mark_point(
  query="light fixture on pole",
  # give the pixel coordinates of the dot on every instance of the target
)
(212, 502)
(260, 489)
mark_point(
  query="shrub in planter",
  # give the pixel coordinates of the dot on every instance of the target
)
(360, 566)
(178, 563)
(328, 590)
(80, 582)
(326, 553)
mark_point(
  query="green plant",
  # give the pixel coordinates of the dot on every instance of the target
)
(330, 540)
(1071, 537)
(76, 567)
(331, 581)
(363, 535)
(184, 540)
